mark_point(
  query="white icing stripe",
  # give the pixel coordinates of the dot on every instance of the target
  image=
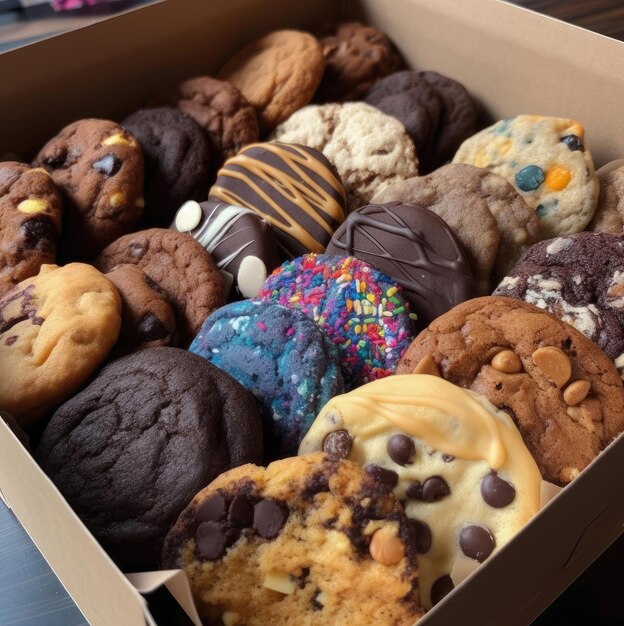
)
(211, 233)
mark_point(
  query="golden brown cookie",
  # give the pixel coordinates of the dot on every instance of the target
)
(277, 73)
(56, 328)
(609, 216)
(30, 222)
(562, 391)
(309, 540)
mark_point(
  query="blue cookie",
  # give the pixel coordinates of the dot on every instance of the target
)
(283, 357)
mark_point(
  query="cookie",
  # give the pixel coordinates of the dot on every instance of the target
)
(363, 311)
(277, 73)
(458, 119)
(293, 187)
(356, 57)
(309, 540)
(580, 280)
(408, 97)
(98, 166)
(416, 248)
(488, 216)
(280, 355)
(466, 480)
(368, 148)
(561, 390)
(546, 160)
(181, 267)
(30, 222)
(177, 161)
(609, 216)
(241, 243)
(229, 121)
(56, 328)
(153, 414)
(147, 317)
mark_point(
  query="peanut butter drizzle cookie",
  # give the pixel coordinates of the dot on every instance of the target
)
(277, 73)
(562, 391)
(99, 168)
(308, 541)
(30, 222)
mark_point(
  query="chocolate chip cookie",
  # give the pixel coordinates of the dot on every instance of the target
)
(131, 449)
(30, 222)
(561, 390)
(99, 168)
(609, 216)
(181, 267)
(309, 540)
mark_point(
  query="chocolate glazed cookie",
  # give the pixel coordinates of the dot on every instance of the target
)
(130, 450)
(562, 391)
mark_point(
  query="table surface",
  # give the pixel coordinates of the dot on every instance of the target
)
(31, 595)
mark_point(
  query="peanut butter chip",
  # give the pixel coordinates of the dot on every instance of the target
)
(427, 366)
(568, 474)
(386, 548)
(576, 392)
(554, 364)
(507, 362)
(116, 199)
(587, 413)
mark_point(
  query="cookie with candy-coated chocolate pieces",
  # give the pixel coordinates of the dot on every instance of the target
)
(458, 464)
(562, 391)
(309, 540)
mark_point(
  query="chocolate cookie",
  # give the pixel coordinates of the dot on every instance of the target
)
(177, 161)
(609, 216)
(147, 318)
(30, 222)
(561, 390)
(221, 110)
(294, 188)
(416, 248)
(242, 244)
(409, 98)
(368, 148)
(99, 168)
(580, 280)
(131, 449)
(56, 329)
(488, 216)
(356, 57)
(466, 480)
(277, 73)
(309, 540)
(181, 267)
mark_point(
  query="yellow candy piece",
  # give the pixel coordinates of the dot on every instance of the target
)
(557, 178)
(577, 129)
(481, 160)
(503, 145)
(33, 205)
(118, 139)
(116, 199)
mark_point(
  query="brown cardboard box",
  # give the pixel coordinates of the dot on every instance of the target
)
(514, 61)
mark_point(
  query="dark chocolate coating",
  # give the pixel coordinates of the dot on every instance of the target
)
(130, 451)
(413, 246)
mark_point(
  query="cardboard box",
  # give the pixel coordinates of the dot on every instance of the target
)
(512, 60)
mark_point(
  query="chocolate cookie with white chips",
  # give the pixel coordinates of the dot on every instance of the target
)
(239, 240)
(580, 279)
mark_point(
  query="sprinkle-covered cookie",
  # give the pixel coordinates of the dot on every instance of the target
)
(309, 540)
(459, 465)
(363, 311)
(547, 161)
(280, 355)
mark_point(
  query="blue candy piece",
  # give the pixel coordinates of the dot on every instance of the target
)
(530, 178)
(283, 357)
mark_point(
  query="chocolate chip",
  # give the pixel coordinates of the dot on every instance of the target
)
(210, 540)
(414, 490)
(476, 542)
(37, 231)
(573, 142)
(422, 536)
(440, 588)
(212, 510)
(151, 328)
(241, 511)
(434, 489)
(401, 449)
(447, 458)
(56, 158)
(316, 605)
(108, 165)
(384, 476)
(338, 444)
(496, 491)
(268, 518)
